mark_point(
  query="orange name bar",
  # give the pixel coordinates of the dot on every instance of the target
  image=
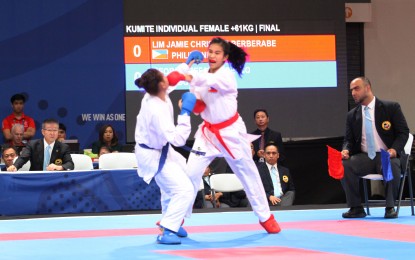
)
(265, 48)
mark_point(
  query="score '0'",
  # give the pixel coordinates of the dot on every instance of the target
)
(137, 51)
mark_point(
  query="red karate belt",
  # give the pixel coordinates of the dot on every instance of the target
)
(215, 129)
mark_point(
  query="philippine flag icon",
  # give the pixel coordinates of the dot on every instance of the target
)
(160, 54)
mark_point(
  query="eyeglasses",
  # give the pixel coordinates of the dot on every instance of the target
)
(12, 155)
(51, 130)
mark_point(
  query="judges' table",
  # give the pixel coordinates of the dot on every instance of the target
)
(24, 193)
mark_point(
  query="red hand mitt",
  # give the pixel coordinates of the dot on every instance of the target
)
(174, 77)
(335, 164)
(199, 106)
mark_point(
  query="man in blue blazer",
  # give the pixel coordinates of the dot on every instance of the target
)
(45, 154)
(388, 131)
(281, 190)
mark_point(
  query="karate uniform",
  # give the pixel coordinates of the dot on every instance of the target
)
(154, 129)
(219, 92)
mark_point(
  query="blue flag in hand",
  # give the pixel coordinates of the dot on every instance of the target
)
(386, 165)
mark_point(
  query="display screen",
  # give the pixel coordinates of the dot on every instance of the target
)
(295, 61)
(296, 66)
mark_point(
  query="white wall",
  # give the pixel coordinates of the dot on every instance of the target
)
(390, 53)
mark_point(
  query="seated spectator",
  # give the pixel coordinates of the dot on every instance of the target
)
(17, 141)
(18, 117)
(45, 154)
(104, 150)
(208, 200)
(277, 181)
(233, 199)
(267, 135)
(226, 199)
(107, 137)
(8, 155)
(62, 132)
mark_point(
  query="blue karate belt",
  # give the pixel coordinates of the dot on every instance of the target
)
(164, 151)
(163, 156)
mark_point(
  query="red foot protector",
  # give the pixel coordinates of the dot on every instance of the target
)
(271, 226)
(174, 77)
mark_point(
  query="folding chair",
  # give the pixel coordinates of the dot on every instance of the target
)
(117, 161)
(406, 172)
(225, 182)
(82, 162)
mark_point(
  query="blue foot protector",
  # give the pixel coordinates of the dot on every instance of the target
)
(181, 232)
(168, 237)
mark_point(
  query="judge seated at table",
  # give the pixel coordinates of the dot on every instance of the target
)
(45, 154)
(8, 154)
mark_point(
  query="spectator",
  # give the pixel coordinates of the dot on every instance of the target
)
(18, 117)
(17, 141)
(277, 181)
(208, 200)
(267, 135)
(103, 150)
(231, 199)
(371, 126)
(107, 137)
(9, 153)
(45, 154)
(62, 132)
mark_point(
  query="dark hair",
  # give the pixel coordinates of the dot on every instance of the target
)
(114, 140)
(149, 81)
(365, 80)
(62, 126)
(4, 147)
(261, 110)
(105, 148)
(270, 143)
(17, 97)
(49, 121)
(236, 55)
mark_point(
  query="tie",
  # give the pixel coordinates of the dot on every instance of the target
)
(261, 146)
(275, 182)
(262, 142)
(207, 180)
(46, 157)
(370, 140)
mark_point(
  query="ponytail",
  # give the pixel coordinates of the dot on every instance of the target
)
(236, 55)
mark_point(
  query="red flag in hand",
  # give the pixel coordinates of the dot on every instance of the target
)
(335, 164)
(174, 77)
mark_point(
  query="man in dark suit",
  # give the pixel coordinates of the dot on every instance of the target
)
(362, 143)
(277, 181)
(45, 154)
(9, 153)
(267, 135)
